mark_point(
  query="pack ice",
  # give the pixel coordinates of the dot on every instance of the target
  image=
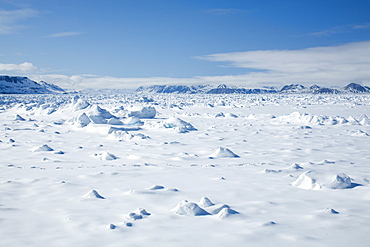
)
(184, 169)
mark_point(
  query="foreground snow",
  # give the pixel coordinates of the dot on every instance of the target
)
(198, 170)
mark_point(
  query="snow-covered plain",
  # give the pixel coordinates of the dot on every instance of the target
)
(195, 170)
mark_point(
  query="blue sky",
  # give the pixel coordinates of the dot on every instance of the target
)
(128, 43)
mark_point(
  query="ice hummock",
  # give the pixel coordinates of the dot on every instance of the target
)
(178, 125)
(312, 180)
(223, 153)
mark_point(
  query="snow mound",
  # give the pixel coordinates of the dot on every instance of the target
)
(205, 202)
(114, 121)
(193, 209)
(186, 156)
(93, 194)
(306, 181)
(105, 156)
(134, 216)
(364, 120)
(178, 125)
(81, 121)
(352, 121)
(141, 211)
(126, 136)
(189, 209)
(10, 140)
(143, 112)
(79, 104)
(137, 214)
(99, 115)
(360, 133)
(223, 153)
(295, 166)
(156, 187)
(339, 181)
(133, 121)
(42, 148)
(329, 211)
(19, 118)
(226, 212)
(312, 180)
(304, 118)
(271, 171)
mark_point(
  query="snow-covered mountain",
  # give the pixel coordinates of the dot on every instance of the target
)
(23, 85)
(357, 88)
(174, 89)
(229, 89)
(315, 89)
(208, 89)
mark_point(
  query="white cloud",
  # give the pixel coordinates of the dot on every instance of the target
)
(63, 34)
(341, 29)
(330, 65)
(10, 19)
(23, 67)
(326, 66)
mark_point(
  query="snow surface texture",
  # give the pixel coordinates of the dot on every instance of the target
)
(185, 170)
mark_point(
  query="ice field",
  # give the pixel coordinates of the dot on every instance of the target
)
(185, 170)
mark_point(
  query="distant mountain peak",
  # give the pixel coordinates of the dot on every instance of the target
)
(356, 88)
(23, 85)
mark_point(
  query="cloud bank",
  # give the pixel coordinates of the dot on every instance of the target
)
(23, 67)
(330, 65)
(325, 66)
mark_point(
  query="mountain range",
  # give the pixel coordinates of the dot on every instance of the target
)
(23, 85)
(227, 89)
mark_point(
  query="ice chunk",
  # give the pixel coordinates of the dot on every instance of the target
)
(81, 121)
(143, 112)
(179, 125)
(99, 115)
(306, 181)
(133, 121)
(79, 104)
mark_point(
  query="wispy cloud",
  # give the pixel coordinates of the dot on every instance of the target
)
(364, 26)
(23, 67)
(225, 11)
(340, 29)
(328, 65)
(10, 20)
(63, 34)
